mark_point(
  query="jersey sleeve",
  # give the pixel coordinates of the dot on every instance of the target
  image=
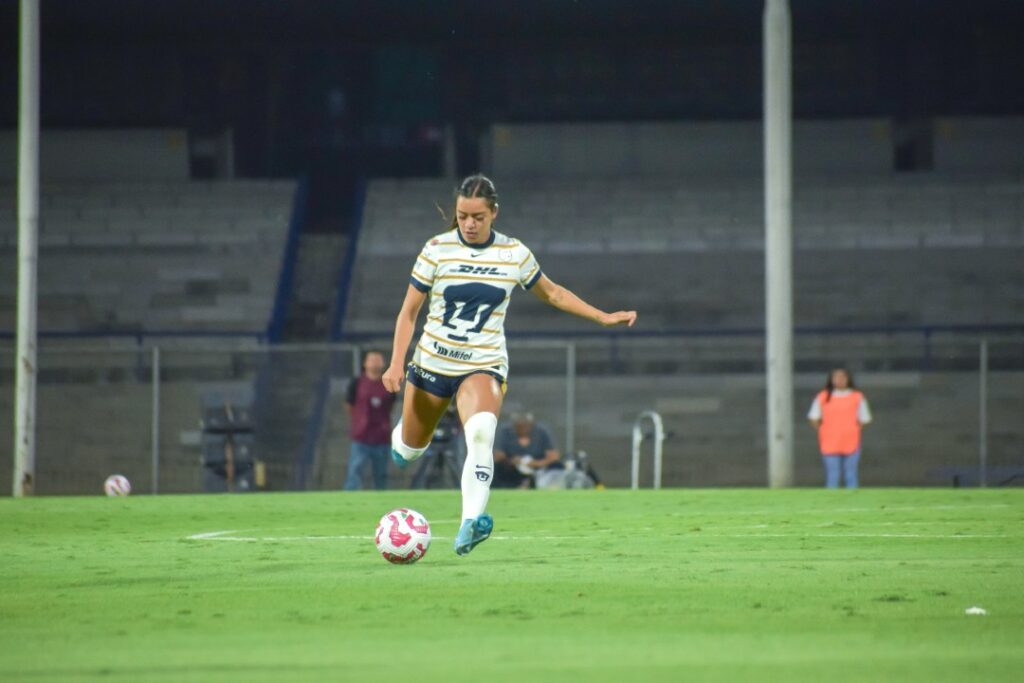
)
(815, 412)
(529, 268)
(863, 411)
(423, 271)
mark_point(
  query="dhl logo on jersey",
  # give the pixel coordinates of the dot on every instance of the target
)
(478, 270)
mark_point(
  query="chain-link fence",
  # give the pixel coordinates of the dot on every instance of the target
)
(203, 416)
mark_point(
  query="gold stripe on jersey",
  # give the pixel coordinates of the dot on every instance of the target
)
(418, 279)
(528, 257)
(438, 320)
(476, 278)
(468, 346)
(433, 263)
(532, 273)
(489, 363)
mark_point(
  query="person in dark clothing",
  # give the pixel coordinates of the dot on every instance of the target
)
(369, 408)
(522, 451)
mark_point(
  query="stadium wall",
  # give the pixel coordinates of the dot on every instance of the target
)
(925, 431)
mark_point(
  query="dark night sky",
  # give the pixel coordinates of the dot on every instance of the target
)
(265, 67)
(371, 22)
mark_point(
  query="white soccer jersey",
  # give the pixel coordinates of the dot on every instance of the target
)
(470, 286)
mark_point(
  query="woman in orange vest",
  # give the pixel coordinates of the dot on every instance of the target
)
(838, 413)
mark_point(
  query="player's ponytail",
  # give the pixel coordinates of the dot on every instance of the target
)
(476, 185)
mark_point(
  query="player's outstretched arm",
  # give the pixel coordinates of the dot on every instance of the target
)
(564, 300)
(404, 327)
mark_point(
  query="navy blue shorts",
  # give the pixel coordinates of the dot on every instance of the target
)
(444, 385)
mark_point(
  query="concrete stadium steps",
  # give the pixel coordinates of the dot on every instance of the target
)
(153, 255)
(870, 249)
(726, 289)
(686, 214)
(316, 285)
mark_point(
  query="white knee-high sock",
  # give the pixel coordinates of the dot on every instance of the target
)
(479, 468)
(408, 453)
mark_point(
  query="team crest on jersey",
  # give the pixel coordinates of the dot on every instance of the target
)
(435, 242)
(506, 255)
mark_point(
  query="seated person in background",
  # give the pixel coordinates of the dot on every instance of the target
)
(523, 453)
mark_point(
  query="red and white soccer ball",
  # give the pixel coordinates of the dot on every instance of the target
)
(117, 485)
(403, 536)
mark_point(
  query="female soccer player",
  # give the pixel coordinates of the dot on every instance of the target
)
(469, 273)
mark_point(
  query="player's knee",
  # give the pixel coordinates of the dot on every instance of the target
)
(480, 429)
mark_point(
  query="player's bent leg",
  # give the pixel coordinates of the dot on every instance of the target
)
(402, 454)
(421, 412)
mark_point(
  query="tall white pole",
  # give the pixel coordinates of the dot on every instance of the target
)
(983, 414)
(28, 237)
(778, 111)
(155, 424)
(570, 399)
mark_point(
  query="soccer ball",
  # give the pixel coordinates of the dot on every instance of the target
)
(403, 536)
(117, 485)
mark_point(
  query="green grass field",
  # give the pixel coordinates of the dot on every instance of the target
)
(673, 585)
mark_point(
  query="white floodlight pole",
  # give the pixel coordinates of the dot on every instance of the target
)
(28, 243)
(778, 171)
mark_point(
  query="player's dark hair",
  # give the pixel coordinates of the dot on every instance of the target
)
(829, 387)
(476, 185)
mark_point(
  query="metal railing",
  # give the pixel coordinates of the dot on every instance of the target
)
(126, 402)
(658, 438)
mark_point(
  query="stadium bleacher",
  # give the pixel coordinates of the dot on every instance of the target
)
(856, 238)
(123, 256)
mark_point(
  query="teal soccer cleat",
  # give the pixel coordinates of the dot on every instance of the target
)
(472, 533)
(401, 462)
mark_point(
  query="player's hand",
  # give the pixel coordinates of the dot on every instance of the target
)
(393, 378)
(626, 318)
